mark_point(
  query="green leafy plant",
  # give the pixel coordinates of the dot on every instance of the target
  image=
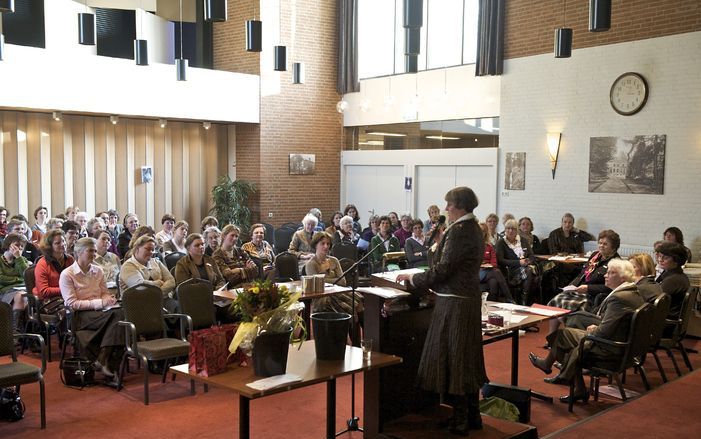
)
(230, 198)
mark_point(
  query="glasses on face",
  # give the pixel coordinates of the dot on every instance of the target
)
(510, 228)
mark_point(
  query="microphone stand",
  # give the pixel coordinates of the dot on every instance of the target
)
(353, 422)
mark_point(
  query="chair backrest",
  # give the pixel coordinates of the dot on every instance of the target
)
(269, 233)
(345, 250)
(196, 300)
(29, 280)
(7, 346)
(143, 306)
(685, 313)
(661, 306)
(639, 335)
(283, 237)
(286, 264)
(172, 259)
(352, 277)
(292, 226)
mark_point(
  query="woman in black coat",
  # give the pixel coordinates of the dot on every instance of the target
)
(452, 361)
(515, 257)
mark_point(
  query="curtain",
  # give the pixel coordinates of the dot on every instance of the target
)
(348, 47)
(490, 38)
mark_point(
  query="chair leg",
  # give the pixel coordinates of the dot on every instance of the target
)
(192, 387)
(120, 374)
(570, 404)
(670, 354)
(42, 402)
(206, 388)
(145, 381)
(682, 349)
(643, 376)
(659, 367)
(620, 387)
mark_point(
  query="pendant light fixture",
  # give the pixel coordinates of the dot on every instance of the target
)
(2, 45)
(297, 67)
(181, 63)
(140, 45)
(7, 5)
(413, 20)
(214, 10)
(254, 33)
(280, 51)
(86, 27)
(599, 15)
(563, 37)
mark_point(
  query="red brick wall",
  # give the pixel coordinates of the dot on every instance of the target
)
(301, 118)
(530, 25)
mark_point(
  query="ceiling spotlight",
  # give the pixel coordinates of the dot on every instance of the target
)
(206, 125)
(162, 123)
(57, 116)
(114, 120)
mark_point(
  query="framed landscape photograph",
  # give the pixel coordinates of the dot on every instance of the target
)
(627, 165)
(515, 171)
(302, 164)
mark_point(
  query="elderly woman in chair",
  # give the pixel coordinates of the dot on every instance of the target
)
(616, 312)
(301, 244)
(142, 267)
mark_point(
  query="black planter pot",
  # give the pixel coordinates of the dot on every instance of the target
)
(330, 334)
(270, 353)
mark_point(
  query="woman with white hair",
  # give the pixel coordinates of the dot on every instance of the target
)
(301, 244)
(345, 232)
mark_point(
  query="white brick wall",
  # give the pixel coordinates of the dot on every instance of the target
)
(541, 94)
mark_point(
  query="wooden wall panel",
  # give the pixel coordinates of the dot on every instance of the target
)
(100, 154)
(76, 126)
(195, 171)
(176, 166)
(34, 159)
(58, 199)
(45, 159)
(121, 174)
(159, 174)
(139, 161)
(10, 162)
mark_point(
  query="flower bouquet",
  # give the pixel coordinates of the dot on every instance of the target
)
(267, 309)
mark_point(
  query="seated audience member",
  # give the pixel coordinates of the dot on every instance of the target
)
(515, 258)
(30, 251)
(113, 227)
(130, 223)
(335, 223)
(106, 260)
(177, 243)
(143, 268)
(404, 231)
(23, 219)
(345, 232)
(62, 216)
(492, 221)
(320, 226)
(49, 268)
(434, 212)
(71, 212)
(674, 234)
(3, 221)
(212, 239)
(567, 238)
(95, 225)
(369, 232)
(394, 224)
(12, 266)
(670, 257)
(54, 223)
(85, 292)
(166, 232)
(234, 264)
(41, 216)
(301, 244)
(616, 312)
(504, 218)
(490, 275)
(382, 243)
(352, 211)
(525, 229)
(207, 222)
(138, 233)
(82, 219)
(72, 231)
(259, 249)
(415, 246)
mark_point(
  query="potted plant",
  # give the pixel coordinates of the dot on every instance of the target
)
(230, 198)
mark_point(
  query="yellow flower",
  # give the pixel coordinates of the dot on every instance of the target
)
(255, 290)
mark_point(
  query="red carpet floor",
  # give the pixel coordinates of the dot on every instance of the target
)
(173, 413)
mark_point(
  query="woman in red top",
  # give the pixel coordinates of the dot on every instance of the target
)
(490, 275)
(49, 268)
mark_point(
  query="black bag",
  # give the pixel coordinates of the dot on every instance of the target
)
(518, 396)
(77, 372)
(53, 306)
(11, 406)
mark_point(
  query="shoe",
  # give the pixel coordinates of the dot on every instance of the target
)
(557, 365)
(546, 346)
(557, 379)
(581, 397)
(532, 329)
(112, 382)
(102, 369)
(535, 360)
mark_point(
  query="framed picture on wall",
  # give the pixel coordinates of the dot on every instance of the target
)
(302, 164)
(627, 165)
(515, 171)
(146, 174)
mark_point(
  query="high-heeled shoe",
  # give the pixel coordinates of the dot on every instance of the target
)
(535, 360)
(557, 379)
(584, 397)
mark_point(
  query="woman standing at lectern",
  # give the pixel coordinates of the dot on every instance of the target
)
(452, 361)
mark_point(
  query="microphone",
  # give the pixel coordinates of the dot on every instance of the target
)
(441, 221)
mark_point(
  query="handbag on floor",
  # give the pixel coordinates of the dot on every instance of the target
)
(11, 406)
(77, 372)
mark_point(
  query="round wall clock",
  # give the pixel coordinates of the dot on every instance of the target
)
(629, 93)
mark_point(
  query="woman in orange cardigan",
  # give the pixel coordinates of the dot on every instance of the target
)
(49, 268)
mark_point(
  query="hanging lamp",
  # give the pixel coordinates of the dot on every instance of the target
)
(599, 15)
(181, 64)
(214, 10)
(563, 37)
(7, 5)
(254, 33)
(280, 52)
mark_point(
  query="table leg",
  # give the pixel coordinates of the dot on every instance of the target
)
(244, 418)
(331, 409)
(514, 357)
(372, 425)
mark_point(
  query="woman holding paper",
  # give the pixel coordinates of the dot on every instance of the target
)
(452, 361)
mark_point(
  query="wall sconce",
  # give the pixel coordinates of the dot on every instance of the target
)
(206, 125)
(114, 120)
(162, 123)
(554, 150)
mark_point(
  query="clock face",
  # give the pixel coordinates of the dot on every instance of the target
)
(629, 93)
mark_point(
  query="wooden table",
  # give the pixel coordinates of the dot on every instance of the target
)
(573, 260)
(303, 363)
